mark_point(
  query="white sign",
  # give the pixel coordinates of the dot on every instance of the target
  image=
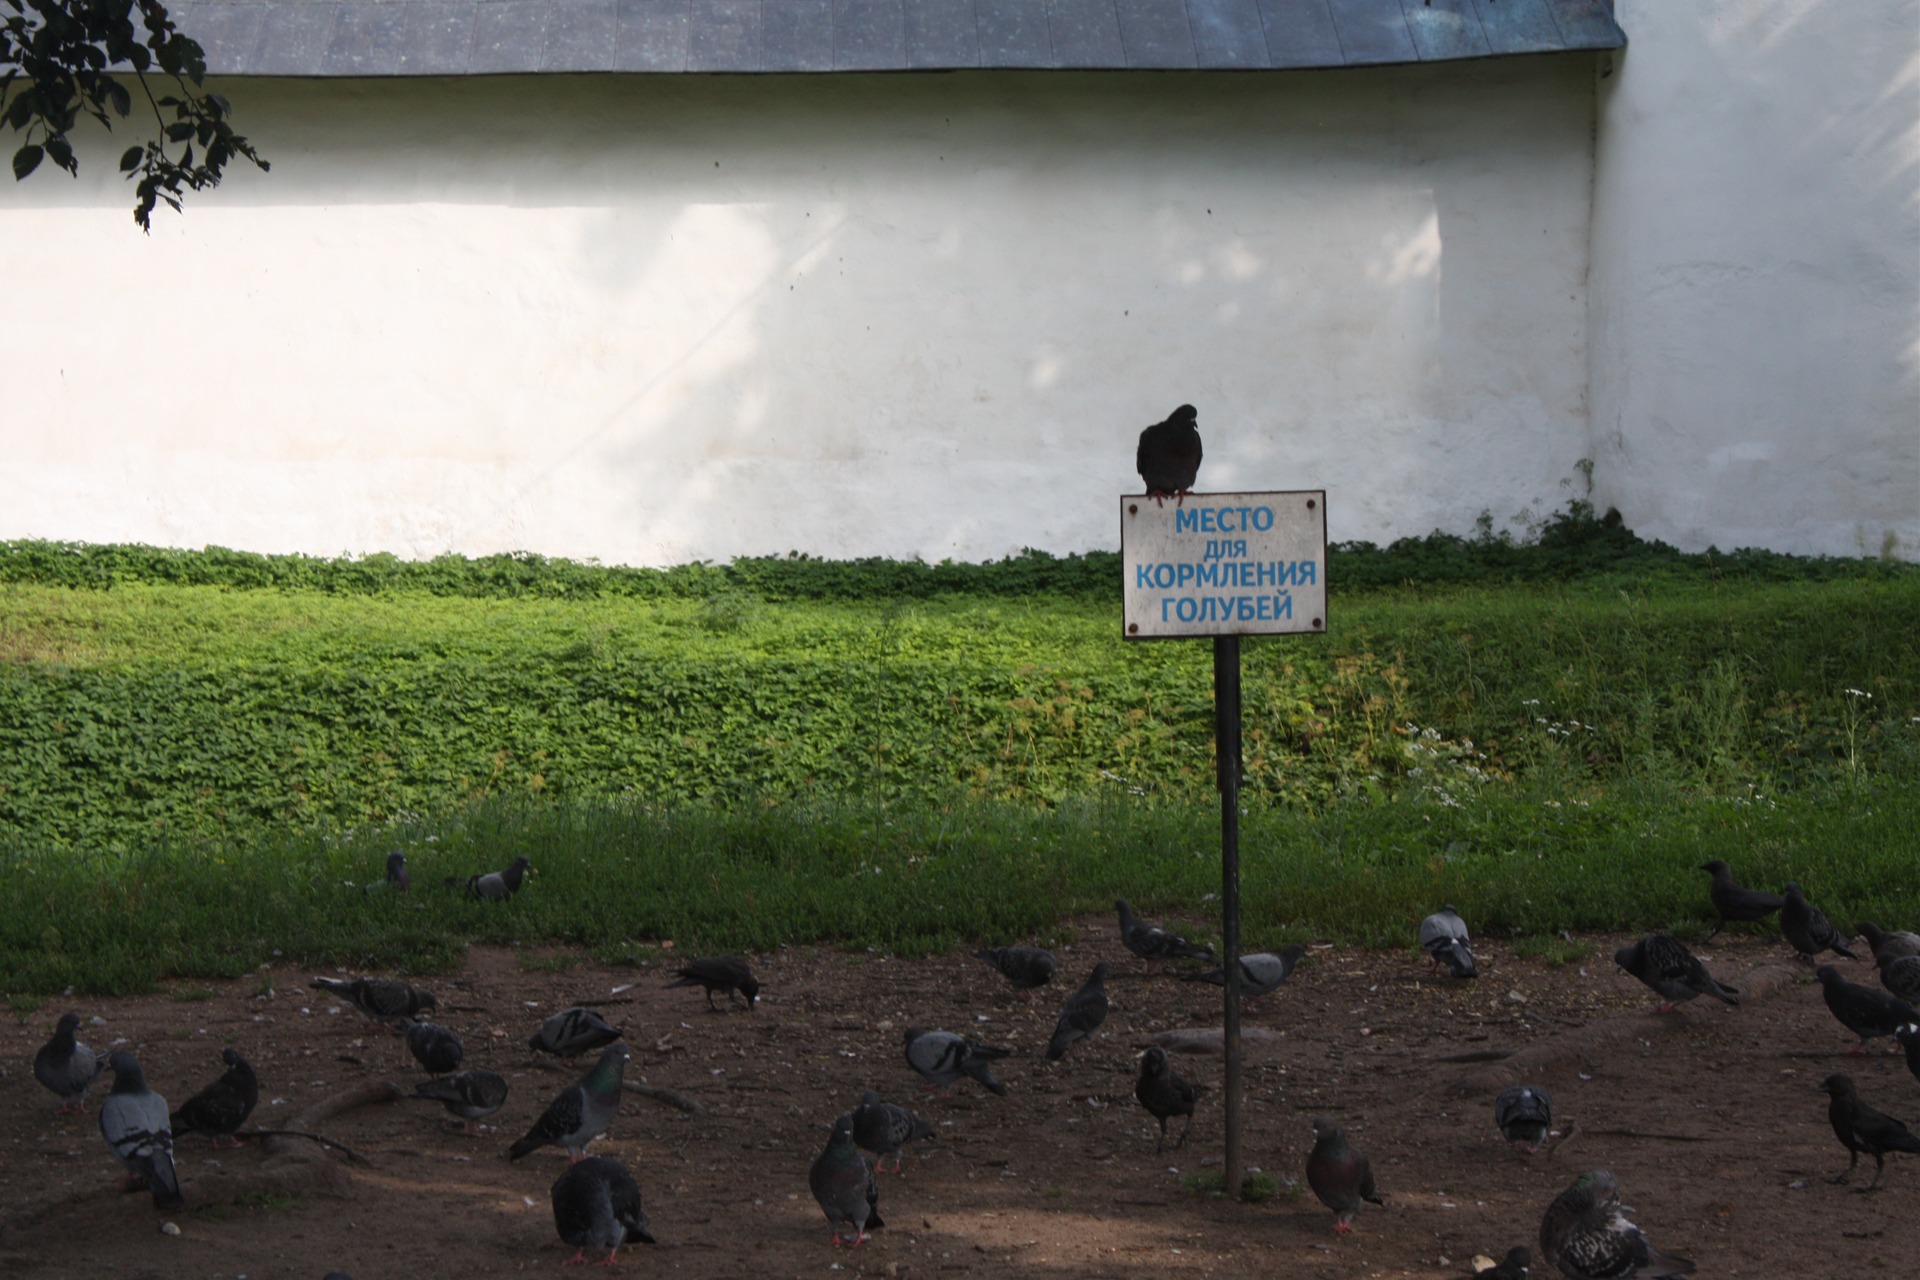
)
(1223, 564)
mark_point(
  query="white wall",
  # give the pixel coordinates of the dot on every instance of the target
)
(1756, 275)
(650, 320)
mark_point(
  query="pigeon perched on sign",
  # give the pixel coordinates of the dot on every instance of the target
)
(1025, 967)
(1086, 1009)
(1260, 973)
(492, 886)
(1900, 975)
(1443, 936)
(596, 1205)
(726, 974)
(845, 1187)
(581, 1112)
(472, 1095)
(883, 1128)
(1512, 1267)
(1807, 927)
(1165, 1093)
(1150, 942)
(572, 1032)
(1862, 1010)
(1862, 1130)
(1734, 903)
(1168, 455)
(1524, 1114)
(436, 1049)
(67, 1066)
(1339, 1175)
(1586, 1234)
(1889, 945)
(382, 999)
(1673, 972)
(943, 1058)
(223, 1106)
(133, 1120)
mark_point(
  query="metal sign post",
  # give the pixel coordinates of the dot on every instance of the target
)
(1226, 565)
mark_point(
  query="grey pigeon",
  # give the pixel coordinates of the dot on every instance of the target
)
(1672, 971)
(1086, 1009)
(398, 879)
(1524, 1114)
(1862, 1010)
(1260, 973)
(1338, 1174)
(844, 1185)
(434, 1047)
(1909, 1038)
(1443, 936)
(1150, 942)
(1512, 1267)
(596, 1205)
(1586, 1234)
(492, 886)
(223, 1106)
(942, 1058)
(1164, 1093)
(883, 1128)
(572, 1032)
(1734, 903)
(1807, 927)
(1889, 945)
(1168, 455)
(581, 1112)
(1900, 975)
(382, 999)
(1025, 967)
(1862, 1130)
(133, 1120)
(472, 1095)
(67, 1066)
(720, 973)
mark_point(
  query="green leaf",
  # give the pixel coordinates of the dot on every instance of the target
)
(130, 159)
(179, 131)
(26, 160)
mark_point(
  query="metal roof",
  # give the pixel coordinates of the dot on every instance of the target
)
(494, 37)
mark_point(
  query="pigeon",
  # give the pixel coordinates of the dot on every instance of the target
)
(67, 1066)
(596, 1205)
(1443, 936)
(1862, 1130)
(882, 1128)
(1909, 1038)
(398, 880)
(1808, 928)
(1025, 967)
(493, 886)
(471, 1095)
(581, 1112)
(572, 1032)
(1889, 945)
(1168, 455)
(1734, 903)
(1862, 1010)
(1339, 1175)
(1150, 942)
(223, 1106)
(1672, 971)
(1901, 976)
(1586, 1234)
(1525, 1116)
(1164, 1093)
(1260, 973)
(719, 973)
(942, 1058)
(382, 999)
(844, 1184)
(1086, 1010)
(1512, 1267)
(435, 1048)
(133, 1120)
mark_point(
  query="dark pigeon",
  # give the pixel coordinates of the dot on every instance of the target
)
(1165, 1094)
(1260, 973)
(1443, 936)
(1889, 945)
(844, 1185)
(1512, 1267)
(223, 1106)
(883, 1128)
(382, 999)
(67, 1066)
(1150, 942)
(1524, 1114)
(398, 877)
(1025, 967)
(436, 1049)
(133, 1120)
(1900, 975)
(572, 1032)
(1862, 1010)
(1168, 455)
(492, 886)
(720, 973)
(471, 1095)
(942, 1058)
(1586, 1234)
(1086, 1009)
(1808, 928)
(1909, 1038)
(596, 1205)
(1862, 1130)
(1339, 1175)
(1734, 903)
(581, 1112)
(1673, 972)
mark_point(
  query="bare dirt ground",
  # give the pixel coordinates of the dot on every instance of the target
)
(1709, 1118)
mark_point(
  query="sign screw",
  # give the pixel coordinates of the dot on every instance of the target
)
(1133, 628)
(1133, 508)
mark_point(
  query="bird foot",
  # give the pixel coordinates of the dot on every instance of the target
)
(1342, 1228)
(580, 1256)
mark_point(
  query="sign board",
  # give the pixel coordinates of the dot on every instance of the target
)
(1225, 564)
